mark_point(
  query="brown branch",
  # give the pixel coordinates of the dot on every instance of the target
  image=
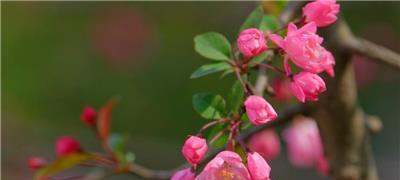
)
(373, 51)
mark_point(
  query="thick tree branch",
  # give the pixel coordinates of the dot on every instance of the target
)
(373, 51)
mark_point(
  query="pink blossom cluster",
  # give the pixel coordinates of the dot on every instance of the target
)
(229, 165)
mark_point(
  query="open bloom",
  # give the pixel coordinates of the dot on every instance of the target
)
(194, 149)
(88, 116)
(322, 12)
(67, 145)
(304, 48)
(251, 42)
(307, 86)
(259, 110)
(227, 165)
(303, 142)
(184, 174)
(266, 143)
(258, 167)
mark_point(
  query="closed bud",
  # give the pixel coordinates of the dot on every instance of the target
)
(89, 116)
(258, 167)
(322, 12)
(251, 42)
(36, 162)
(67, 145)
(307, 86)
(259, 110)
(266, 143)
(194, 149)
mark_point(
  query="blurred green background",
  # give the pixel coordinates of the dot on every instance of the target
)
(58, 57)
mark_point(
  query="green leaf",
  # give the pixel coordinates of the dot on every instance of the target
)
(209, 69)
(259, 58)
(61, 164)
(213, 45)
(117, 142)
(226, 72)
(209, 106)
(254, 19)
(246, 122)
(235, 97)
(269, 23)
(220, 142)
(274, 7)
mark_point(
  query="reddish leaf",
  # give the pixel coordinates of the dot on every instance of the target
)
(61, 164)
(104, 121)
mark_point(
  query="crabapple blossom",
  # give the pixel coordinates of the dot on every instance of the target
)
(258, 167)
(281, 86)
(307, 86)
(259, 110)
(184, 174)
(304, 48)
(36, 162)
(194, 149)
(88, 115)
(322, 12)
(266, 143)
(251, 42)
(225, 165)
(67, 145)
(303, 142)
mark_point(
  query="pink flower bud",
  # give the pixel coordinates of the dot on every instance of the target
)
(88, 116)
(184, 174)
(36, 162)
(251, 42)
(322, 12)
(226, 165)
(323, 166)
(266, 143)
(258, 167)
(67, 145)
(307, 86)
(303, 142)
(259, 110)
(304, 48)
(194, 149)
(281, 88)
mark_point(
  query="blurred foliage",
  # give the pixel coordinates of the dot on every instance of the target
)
(60, 56)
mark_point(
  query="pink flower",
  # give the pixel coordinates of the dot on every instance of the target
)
(88, 115)
(307, 86)
(304, 48)
(322, 166)
(251, 42)
(266, 143)
(303, 142)
(259, 110)
(36, 162)
(67, 145)
(184, 174)
(258, 167)
(281, 88)
(194, 149)
(226, 165)
(322, 12)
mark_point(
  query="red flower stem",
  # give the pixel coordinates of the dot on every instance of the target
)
(241, 81)
(212, 124)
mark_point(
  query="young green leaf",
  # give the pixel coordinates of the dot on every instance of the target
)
(260, 58)
(61, 164)
(209, 69)
(209, 106)
(245, 122)
(269, 23)
(226, 72)
(213, 45)
(254, 19)
(220, 142)
(235, 97)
